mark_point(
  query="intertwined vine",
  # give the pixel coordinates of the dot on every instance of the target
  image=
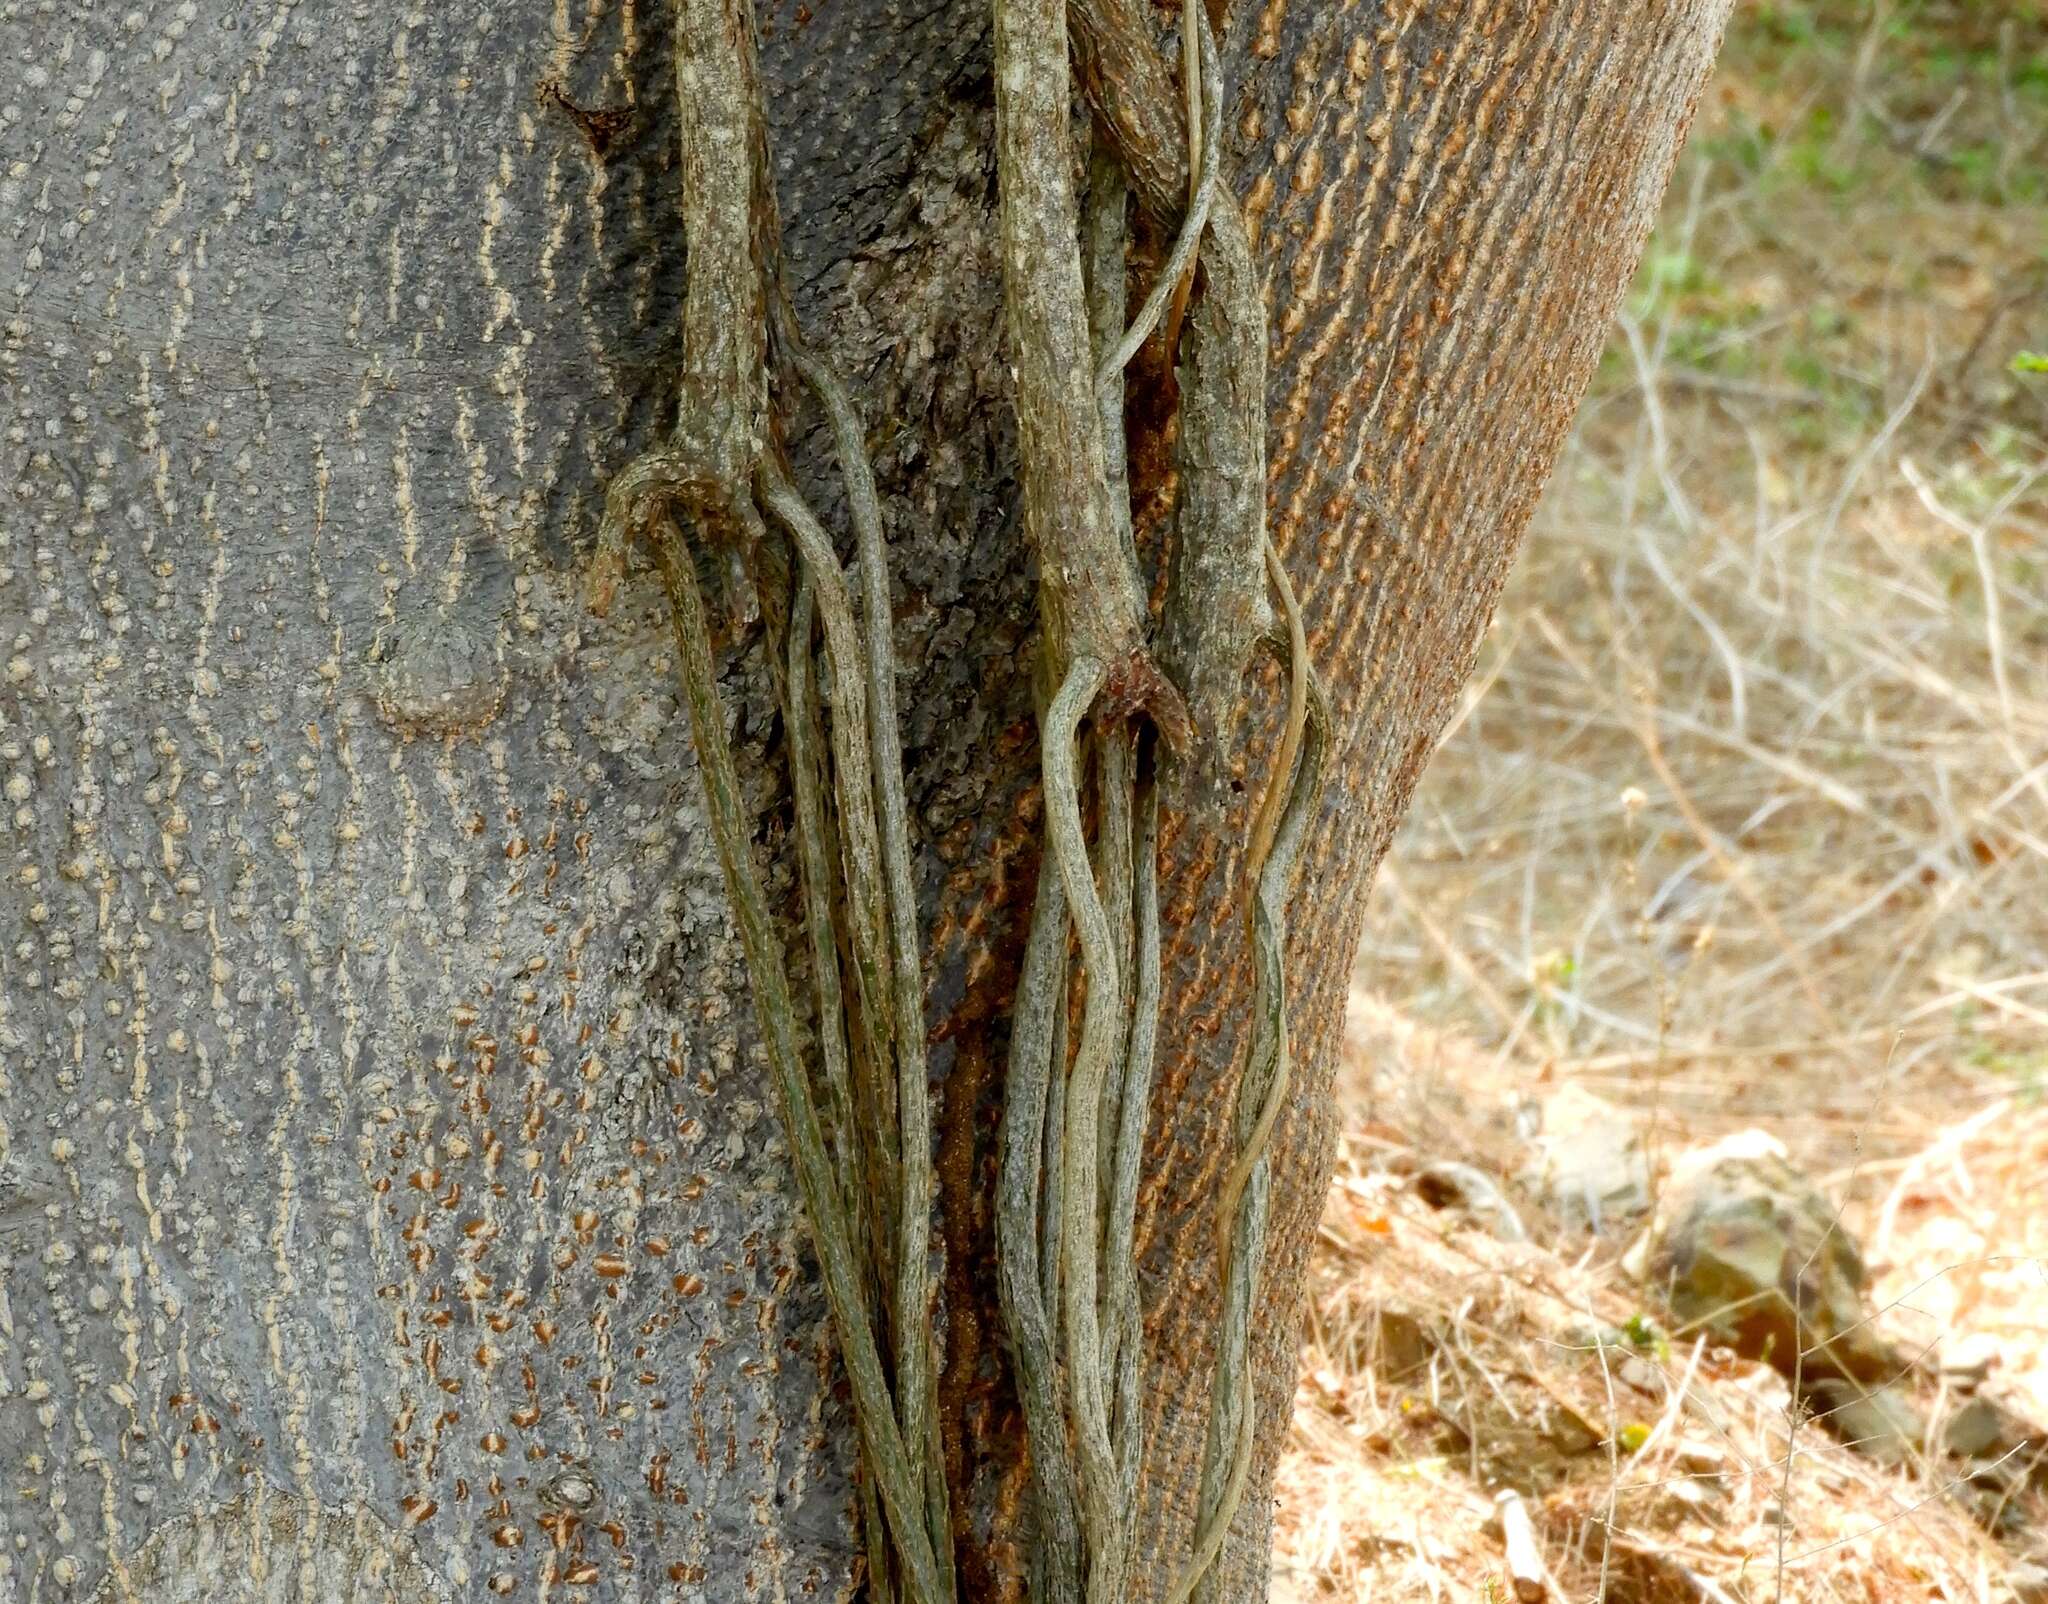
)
(1127, 704)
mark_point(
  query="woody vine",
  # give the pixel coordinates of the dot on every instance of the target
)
(1130, 706)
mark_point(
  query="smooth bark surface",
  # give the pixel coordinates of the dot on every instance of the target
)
(390, 1194)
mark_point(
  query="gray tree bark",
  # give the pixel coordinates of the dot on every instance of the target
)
(391, 1203)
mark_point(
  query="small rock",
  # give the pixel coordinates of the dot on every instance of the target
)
(1398, 1343)
(1750, 1251)
(1518, 1538)
(1981, 1430)
(1688, 1497)
(1967, 1360)
(1447, 1184)
(1701, 1458)
(1993, 1493)
(1878, 1424)
(1588, 1165)
(1568, 1431)
(1632, 1370)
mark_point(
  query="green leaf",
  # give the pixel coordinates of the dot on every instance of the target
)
(2029, 362)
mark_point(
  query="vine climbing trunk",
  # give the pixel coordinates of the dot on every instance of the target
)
(505, 1100)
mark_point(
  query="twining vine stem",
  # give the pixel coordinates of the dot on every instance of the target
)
(1131, 708)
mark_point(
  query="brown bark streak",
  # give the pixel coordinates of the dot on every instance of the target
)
(1448, 202)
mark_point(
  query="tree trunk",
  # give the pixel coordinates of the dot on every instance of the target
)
(391, 1200)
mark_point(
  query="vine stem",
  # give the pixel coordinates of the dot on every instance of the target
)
(899, 1482)
(1037, 1056)
(822, 585)
(1277, 797)
(1121, 1302)
(1073, 1139)
(814, 861)
(718, 470)
(1202, 142)
(1127, 849)
(854, 1148)
(1178, 270)
(1215, 607)
(1226, 1466)
(917, 1378)
(1090, 600)
(1102, 1012)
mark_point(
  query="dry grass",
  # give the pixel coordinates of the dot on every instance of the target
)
(1787, 598)
(1443, 1364)
(1744, 821)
